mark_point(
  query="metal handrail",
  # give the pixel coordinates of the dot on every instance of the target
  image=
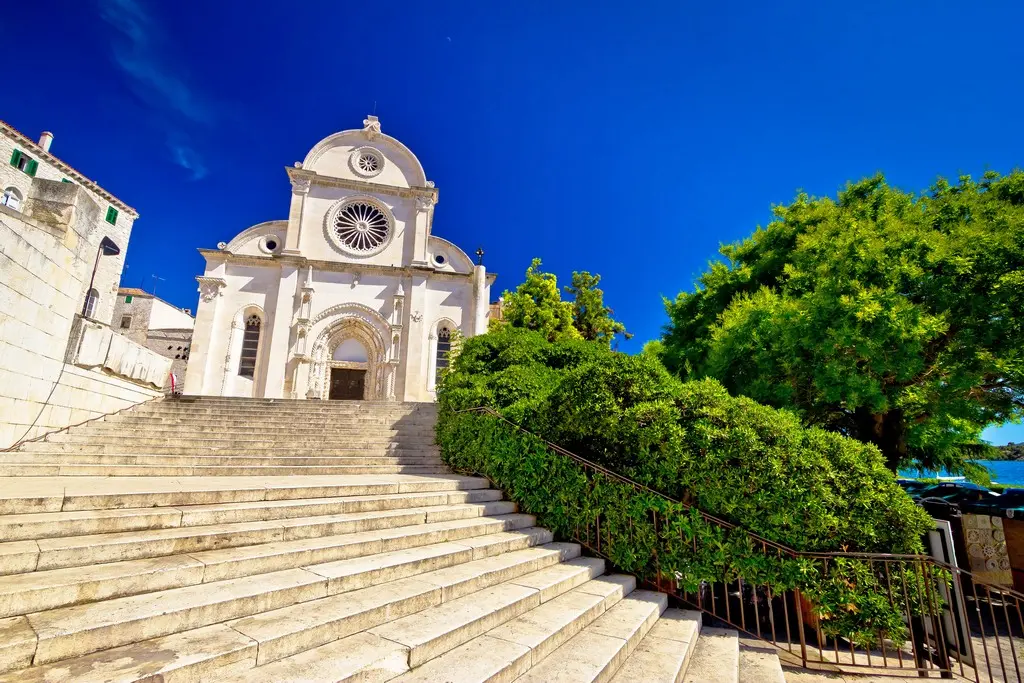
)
(936, 637)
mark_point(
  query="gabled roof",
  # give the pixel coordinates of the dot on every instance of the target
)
(37, 151)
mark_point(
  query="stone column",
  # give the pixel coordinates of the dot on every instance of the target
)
(281, 310)
(201, 373)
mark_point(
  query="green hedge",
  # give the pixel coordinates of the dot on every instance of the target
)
(753, 465)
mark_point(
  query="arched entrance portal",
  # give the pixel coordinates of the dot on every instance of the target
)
(348, 362)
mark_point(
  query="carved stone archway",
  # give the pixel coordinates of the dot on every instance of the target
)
(379, 373)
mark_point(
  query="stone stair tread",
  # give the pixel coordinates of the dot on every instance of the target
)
(196, 651)
(44, 590)
(507, 651)
(289, 630)
(359, 657)
(86, 522)
(662, 656)
(715, 658)
(54, 494)
(596, 652)
(760, 664)
(68, 551)
(82, 629)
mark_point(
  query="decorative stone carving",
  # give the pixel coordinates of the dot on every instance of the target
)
(222, 245)
(210, 288)
(425, 203)
(301, 184)
(416, 316)
(371, 127)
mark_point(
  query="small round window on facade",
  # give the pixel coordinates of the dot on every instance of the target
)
(269, 244)
(439, 259)
(366, 162)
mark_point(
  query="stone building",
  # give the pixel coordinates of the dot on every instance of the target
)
(351, 296)
(159, 326)
(28, 161)
(58, 367)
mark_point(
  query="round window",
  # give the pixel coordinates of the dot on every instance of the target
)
(439, 259)
(360, 227)
(269, 244)
(367, 162)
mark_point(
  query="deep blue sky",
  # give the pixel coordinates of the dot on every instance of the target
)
(628, 139)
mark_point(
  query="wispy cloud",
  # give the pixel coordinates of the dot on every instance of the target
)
(188, 158)
(154, 79)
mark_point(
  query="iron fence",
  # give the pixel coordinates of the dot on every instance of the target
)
(934, 620)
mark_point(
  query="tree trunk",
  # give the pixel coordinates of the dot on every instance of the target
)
(888, 431)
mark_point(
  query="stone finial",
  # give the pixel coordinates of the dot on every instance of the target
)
(371, 126)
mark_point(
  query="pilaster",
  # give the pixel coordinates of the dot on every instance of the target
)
(279, 327)
(301, 182)
(200, 373)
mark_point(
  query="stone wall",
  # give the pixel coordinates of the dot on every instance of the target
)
(42, 269)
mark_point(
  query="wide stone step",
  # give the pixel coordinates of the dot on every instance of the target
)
(57, 524)
(596, 653)
(55, 470)
(43, 458)
(759, 663)
(465, 539)
(271, 413)
(53, 494)
(507, 651)
(251, 440)
(716, 659)
(318, 434)
(664, 654)
(17, 557)
(223, 448)
(427, 614)
(280, 422)
(79, 630)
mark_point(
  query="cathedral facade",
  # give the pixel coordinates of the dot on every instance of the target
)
(351, 297)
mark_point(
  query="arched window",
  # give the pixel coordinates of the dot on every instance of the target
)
(92, 298)
(11, 199)
(250, 345)
(444, 345)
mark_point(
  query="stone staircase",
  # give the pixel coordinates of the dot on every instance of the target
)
(231, 540)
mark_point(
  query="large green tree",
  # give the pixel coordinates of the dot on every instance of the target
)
(537, 305)
(590, 316)
(894, 318)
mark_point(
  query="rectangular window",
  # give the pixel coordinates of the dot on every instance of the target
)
(128, 298)
(24, 163)
(250, 346)
(112, 215)
(126, 322)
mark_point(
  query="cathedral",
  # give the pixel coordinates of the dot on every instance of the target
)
(351, 297)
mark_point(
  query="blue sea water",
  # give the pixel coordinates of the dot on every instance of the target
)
(1001, 471)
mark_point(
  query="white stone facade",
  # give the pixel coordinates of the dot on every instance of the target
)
(353, 280)
(16, 177)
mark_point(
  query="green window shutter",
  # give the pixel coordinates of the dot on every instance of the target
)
(65, 180)
(128, 299)
(31, 167)
(111, 215)
(15, 157)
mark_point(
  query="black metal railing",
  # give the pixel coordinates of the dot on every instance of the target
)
(942, 621)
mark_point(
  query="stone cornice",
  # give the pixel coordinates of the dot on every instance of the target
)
(218, 256)
(300, 176)
(37, 151)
